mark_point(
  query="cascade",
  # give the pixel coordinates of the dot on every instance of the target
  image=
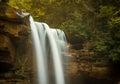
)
(48, 42)
(40, 59)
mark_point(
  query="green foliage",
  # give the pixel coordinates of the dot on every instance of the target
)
(100, 46)
(27, 6)
(114, 24)
(93, 21)
(114, 53)
(106, 11)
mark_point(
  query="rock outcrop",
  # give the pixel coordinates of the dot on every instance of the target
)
(16, 52)
(14, 34)
(9, 13)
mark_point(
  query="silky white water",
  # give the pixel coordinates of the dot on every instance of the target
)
(40, 59)
(48, 42)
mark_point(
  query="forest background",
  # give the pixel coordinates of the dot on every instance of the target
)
(89, 24)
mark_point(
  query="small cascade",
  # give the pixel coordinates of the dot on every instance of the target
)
(48, 42)
(61, 41)
(61, 35)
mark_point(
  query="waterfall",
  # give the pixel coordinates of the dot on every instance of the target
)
(39, 53)
(48, 42)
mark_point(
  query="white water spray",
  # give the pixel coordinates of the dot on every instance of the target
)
(40, 60)
(46, 39)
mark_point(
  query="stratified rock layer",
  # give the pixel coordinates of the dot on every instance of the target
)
(14, 34)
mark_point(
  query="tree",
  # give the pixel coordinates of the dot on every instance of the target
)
(84, 21)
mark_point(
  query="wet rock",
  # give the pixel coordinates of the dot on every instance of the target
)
(11, 14)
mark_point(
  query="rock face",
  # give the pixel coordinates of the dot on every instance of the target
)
(14, 34)
(7, 51)
(16, 53)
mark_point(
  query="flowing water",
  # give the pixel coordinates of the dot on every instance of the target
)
(52, 43)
